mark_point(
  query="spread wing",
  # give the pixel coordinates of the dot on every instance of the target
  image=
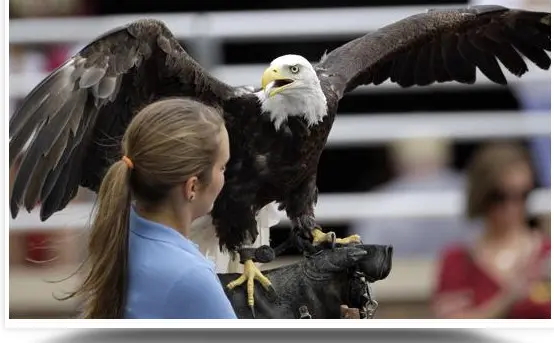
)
(440, 46)
(73, 121)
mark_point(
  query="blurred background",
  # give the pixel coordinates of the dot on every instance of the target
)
(396, 169)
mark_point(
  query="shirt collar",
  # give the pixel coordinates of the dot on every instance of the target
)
(160, 232)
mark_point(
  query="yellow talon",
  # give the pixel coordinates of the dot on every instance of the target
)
(321, 237)
(350, 239)
(250, 273)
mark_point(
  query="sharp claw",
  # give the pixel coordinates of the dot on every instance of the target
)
(250, 274)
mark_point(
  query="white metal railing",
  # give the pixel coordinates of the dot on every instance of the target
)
(331, 208)
(364, 130)
(238, 25)
(84, 29)
(376, 128)
(307, 23)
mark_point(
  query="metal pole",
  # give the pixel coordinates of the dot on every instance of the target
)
(207, 50)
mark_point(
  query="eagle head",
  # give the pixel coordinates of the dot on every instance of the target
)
(291, 87)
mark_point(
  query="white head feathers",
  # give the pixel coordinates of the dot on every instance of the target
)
(292, 88)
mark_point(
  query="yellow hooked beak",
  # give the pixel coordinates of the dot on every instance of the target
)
(274, 82)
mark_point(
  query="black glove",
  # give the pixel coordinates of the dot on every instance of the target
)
(321, 282)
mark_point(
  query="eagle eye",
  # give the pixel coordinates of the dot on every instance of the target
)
(294, 69)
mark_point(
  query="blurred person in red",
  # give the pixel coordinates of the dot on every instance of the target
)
(505, 272)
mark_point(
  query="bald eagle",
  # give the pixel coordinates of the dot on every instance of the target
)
(277, 133)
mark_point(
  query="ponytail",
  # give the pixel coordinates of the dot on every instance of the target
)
(185, 130)
(104, 288)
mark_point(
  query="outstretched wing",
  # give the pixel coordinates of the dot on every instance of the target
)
(73, 121)
(440, 46)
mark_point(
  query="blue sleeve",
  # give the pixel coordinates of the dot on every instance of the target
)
(198, 294)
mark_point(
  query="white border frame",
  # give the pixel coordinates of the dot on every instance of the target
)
(37, 335)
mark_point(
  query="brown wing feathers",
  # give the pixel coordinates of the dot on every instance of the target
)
(86, 104)
(444, 45)
(61, 112)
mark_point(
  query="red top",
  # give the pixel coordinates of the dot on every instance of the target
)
(468, 285)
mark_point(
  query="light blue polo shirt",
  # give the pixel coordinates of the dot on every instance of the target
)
(169, 277)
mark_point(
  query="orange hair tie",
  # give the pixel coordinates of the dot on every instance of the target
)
(128, 162)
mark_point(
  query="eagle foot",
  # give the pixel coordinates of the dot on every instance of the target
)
(251, 273)
(319, 237)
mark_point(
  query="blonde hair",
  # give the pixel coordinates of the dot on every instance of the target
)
(167, 142)
(486, 168)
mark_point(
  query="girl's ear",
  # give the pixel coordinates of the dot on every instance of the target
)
(190, 188)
